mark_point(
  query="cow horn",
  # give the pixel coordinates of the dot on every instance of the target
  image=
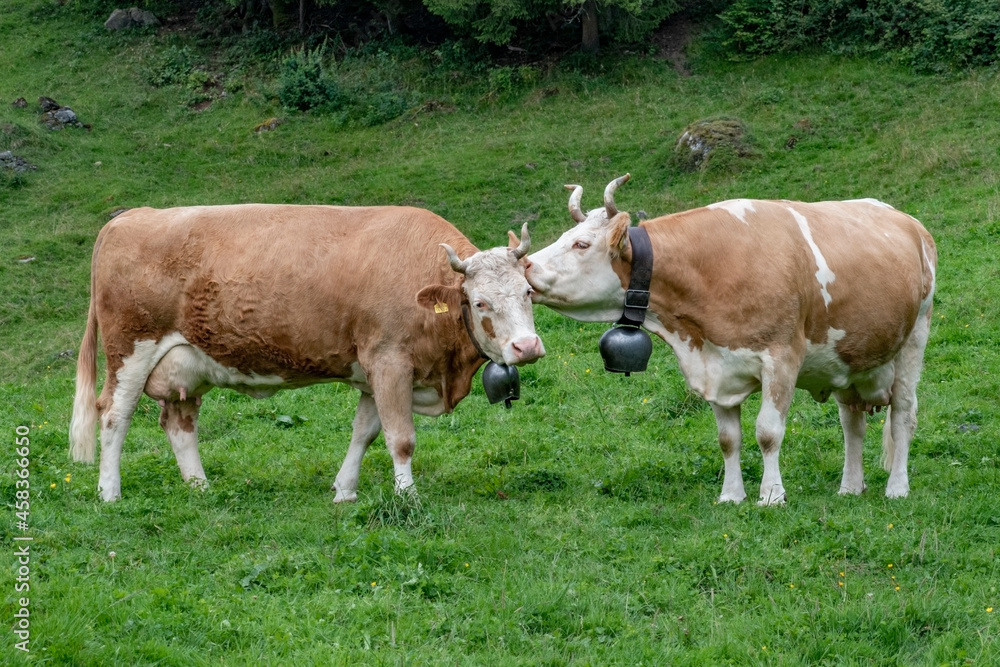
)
(574, 202)
(457, 265)
(609, 195)
(522, 250)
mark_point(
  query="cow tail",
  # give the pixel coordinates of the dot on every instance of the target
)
(82, 425)
(888, 444)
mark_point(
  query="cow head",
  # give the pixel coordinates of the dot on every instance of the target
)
(581, 274)
(496, 299)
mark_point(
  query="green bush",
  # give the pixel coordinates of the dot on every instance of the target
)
(304, 82)
(381, 107)
(927, 34)
(169, 66)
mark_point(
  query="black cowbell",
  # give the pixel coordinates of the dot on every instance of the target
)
(626, 349)
(502, 383)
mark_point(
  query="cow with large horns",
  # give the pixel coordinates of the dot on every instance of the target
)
(766, 296)
(259, 298)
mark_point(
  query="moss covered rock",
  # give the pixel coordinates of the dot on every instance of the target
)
(712, 141)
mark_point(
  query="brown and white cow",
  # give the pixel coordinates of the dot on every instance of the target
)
(260, 297)
(766, 296)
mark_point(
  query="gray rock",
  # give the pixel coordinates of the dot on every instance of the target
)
(65, 115)
(18, 164)
(133, 17)
(60, 118)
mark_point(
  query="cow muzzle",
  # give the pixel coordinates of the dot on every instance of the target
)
(523, 350)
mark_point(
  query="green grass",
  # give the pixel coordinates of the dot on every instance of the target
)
(577, 528)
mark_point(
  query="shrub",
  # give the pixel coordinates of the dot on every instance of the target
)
(169, 66)
(927, 34)
(381, 107)
(304, 83)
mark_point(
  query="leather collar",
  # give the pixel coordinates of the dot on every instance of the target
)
(466, 319)
(637, 295)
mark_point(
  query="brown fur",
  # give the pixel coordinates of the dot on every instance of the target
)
(319, 290)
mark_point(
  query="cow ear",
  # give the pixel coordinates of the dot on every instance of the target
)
(618, 236)
(440, 298)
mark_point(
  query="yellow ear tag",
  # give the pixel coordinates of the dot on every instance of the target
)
(440, 307)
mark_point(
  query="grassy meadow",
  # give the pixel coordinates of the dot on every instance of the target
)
(578, 528)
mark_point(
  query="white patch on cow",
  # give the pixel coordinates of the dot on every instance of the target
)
(823, 372)
(737, 207)
(404, 477)
(720, 375)
(927, 302)
(185, 366)
(823, 274)
(822, 368)
(428, 402)
(869, 200)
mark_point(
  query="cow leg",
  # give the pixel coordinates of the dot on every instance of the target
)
(901, 419)
(116, 406)
(179, 420)
(115, 420)
(366, 428)
(731, 441)
(392, 387)
(777, 388)
(854, 423)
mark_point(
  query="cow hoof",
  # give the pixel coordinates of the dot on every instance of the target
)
(732, 498)
(774, 497)
(109, 495)
(199, 483)
(897, 493)
(345, 496)
(852, 491)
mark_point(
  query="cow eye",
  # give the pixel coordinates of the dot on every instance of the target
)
(480, 305)
(581, 245)
(528, 294)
